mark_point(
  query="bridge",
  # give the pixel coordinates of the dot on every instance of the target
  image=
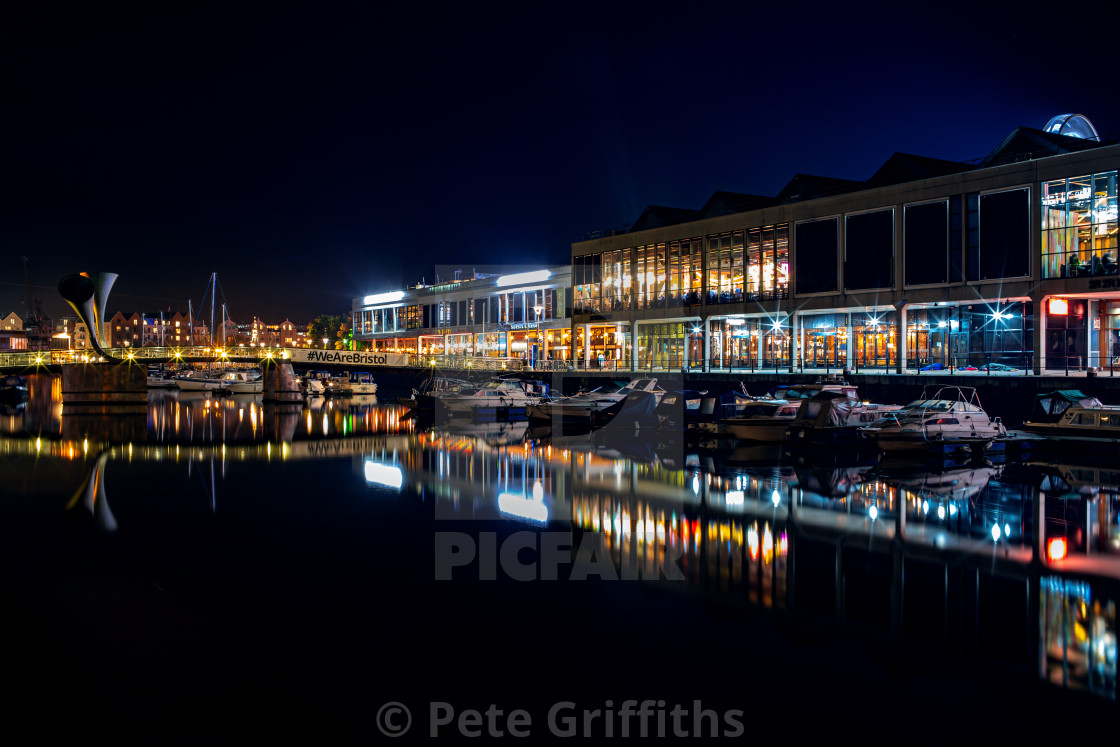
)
(302, 357)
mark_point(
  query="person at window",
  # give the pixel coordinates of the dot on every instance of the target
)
(1097, 265)
(1109, 264)
(1074, 265)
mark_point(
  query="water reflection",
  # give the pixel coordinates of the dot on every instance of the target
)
(1019, 561)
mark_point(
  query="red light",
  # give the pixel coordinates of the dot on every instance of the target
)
(1056, 549)
(1058, 306)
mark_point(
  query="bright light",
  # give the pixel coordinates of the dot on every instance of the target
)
(734, 498)
(536, 276)
(519, 505)
(384, 474)
(1058, 306)
(1006, 530)
(941, 512)
(383, 297)
(775, 498)
(995, 532)
(1056, 548)
(873, 512)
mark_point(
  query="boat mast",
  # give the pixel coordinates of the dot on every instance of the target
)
(223, 325)
(213, 291)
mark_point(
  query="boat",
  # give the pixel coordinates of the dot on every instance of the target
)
(833, 418)
(314, 383)
(945, 420)
(497, 394)
(159, 378)
(196, 381)
(361, 382)
(240, 382)
(423, 398)
(13, 389)
(1070, 419)
(576, 409)
(761, 420)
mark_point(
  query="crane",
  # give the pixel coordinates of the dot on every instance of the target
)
(37, 326)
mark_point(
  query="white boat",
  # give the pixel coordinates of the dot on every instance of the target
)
(947, 419)
(761, 420)
(578, 407)
(160, 379)
(240, 382)
(499, 392)
(194, 381)
(1070, 419)
(424, 397)
(361, 382)
(830, 419)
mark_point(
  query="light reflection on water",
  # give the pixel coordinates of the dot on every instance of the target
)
(754, 527)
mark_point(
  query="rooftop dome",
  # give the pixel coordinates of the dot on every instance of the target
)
(1072, 125)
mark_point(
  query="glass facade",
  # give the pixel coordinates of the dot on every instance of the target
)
(661, 345)
(825, 340)
(1079, 224)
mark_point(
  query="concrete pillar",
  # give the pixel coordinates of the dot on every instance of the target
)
(105, 388)
(851, 343)
(900, 336)
(707, 344)
(587, 345)
(280, 382)
(1038, 303)
(794, 339)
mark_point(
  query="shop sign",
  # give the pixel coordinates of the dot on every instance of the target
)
(525, 325)
(1061, 198)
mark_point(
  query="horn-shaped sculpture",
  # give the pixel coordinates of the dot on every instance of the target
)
(91, 496)
(87, 294)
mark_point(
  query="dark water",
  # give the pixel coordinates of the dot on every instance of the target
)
(225, 570)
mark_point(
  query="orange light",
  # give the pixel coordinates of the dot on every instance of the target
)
(1058, 306)
(1056, 549)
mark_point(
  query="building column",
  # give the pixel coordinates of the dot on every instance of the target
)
(794, 339)
(587, 346)
(707, 344)
(686, 346)
(900, 335)
(851, 346)
(1038, 304)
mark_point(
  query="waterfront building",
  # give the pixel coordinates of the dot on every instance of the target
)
(12, 322)
(522, 314)
(1011, 260)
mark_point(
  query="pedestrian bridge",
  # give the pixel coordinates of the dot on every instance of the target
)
(301, 357)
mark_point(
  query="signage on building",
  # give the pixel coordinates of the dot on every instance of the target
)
(347, 357)
(525, 325)
(1061, 198)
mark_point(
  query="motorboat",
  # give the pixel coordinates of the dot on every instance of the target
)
(501, 392)
(577, 408)
(158, 378)
(1070, 419)
(196, 381)
(361, 382)
(943, 420)
(240, 382)
(314, 383)
(833, 418)
(13, 389)
(761, 420)
(423, 397)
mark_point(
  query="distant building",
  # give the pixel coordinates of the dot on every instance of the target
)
(12, 321)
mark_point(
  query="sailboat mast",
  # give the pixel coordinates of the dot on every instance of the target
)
(213, 291)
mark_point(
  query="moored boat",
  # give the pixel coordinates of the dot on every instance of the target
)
(761, 420)
(1069, 419)
(495, 393)
(832, 418)
(13, 388)
(423, 398)
(944, 420)
(577, 408)
(361, 382)
(240, 382)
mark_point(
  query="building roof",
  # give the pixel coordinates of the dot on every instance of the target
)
(809, 187)
(907, 167)
(656, 216)
(1027, 143)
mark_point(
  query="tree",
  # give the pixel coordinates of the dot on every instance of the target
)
(324, 327)
(345, 338)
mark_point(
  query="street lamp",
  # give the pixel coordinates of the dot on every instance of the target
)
(325, 343)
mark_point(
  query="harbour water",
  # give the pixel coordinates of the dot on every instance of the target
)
(223, 568)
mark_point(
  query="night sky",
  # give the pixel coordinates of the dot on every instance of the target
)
(312, 155)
